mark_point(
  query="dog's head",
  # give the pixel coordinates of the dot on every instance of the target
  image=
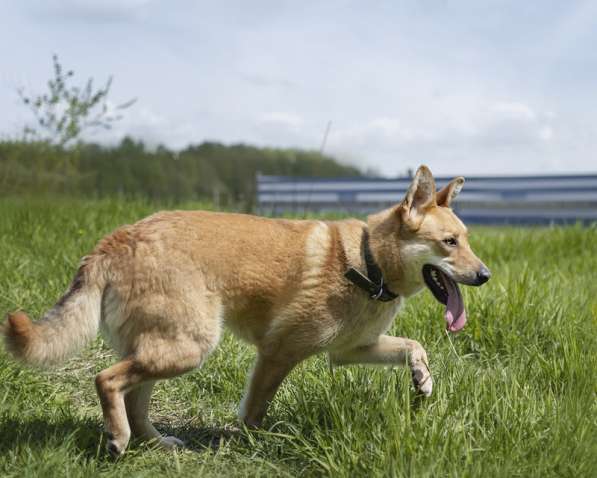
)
(433, 245)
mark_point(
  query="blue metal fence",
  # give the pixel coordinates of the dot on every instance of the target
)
(484, 200)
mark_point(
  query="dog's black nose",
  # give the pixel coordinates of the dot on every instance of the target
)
(483, 275)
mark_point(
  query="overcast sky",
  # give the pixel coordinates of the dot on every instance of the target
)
(477, 87)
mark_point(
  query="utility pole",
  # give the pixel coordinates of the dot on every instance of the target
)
(325, 136)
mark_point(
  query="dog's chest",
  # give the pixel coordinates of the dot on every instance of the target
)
(365, 321)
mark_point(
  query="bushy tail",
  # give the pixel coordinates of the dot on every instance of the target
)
(64, 329)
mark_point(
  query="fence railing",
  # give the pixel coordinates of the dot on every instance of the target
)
(484, 200)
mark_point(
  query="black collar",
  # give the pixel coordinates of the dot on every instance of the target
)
(373, 282)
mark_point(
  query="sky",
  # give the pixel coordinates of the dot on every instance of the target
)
(466, 87)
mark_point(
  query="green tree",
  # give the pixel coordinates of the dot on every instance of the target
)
(65, 111)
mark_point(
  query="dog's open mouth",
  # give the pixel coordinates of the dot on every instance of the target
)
(447, 292)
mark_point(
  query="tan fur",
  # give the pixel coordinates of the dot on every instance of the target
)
(161, 290)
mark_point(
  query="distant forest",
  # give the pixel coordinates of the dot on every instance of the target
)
(224, 174)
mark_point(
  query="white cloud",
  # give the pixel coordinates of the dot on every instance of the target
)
(511, 110)
(546, 133)
(449, 138)
(90, 11)
(146, 124)
(289, 121)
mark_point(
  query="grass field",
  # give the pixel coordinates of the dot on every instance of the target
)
(514, 395)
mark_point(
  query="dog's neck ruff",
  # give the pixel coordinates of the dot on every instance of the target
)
(373, 282)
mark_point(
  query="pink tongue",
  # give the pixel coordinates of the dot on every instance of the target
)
(455, 314)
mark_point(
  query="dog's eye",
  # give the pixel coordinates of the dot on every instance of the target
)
(450, 241)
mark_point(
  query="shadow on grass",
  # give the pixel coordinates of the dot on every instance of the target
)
(88, 440)
(83, 434)
(201, 439)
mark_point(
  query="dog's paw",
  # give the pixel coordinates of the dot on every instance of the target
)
(422, 381)
(115, 449)
(116, 445)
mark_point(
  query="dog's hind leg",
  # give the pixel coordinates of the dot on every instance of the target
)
(112, 384)
(137, 408)
(163, 339)
(125, 377)
(390, 350)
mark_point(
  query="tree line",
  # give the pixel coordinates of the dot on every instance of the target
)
(224, 174)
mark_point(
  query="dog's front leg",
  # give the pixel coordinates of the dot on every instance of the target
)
(390, 350)
(267, 376)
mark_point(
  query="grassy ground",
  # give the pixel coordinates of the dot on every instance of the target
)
(514, 392)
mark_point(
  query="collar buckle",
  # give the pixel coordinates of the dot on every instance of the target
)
(379, 292)
(373, 282)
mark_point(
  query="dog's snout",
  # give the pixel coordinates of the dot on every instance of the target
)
(483, 275)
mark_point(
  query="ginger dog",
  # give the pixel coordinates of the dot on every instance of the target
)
(161, 289)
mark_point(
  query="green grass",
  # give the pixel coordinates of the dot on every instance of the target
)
(514, 395)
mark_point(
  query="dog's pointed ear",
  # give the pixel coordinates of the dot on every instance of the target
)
(419, 198)
(449, 192)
